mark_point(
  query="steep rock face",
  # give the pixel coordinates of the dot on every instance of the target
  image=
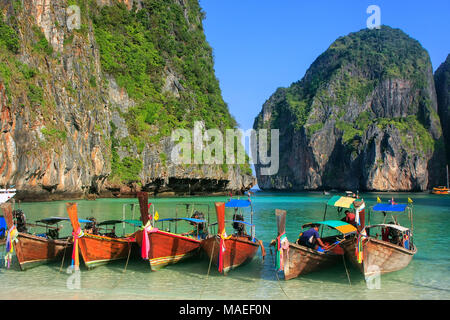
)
(363, 117)
(442, 82)
(68, 127)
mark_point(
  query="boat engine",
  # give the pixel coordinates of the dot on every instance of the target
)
(201, 226)
(91, 227)
(53, 234)
(239, 227)
(21, 221)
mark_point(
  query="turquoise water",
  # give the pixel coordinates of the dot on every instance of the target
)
(427, 276)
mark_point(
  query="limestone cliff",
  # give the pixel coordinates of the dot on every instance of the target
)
(442, 81)
(363, 117)
(89, 109)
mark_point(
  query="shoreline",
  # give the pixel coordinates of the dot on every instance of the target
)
(38, 197)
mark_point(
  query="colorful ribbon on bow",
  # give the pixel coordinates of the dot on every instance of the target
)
(75, 256)
(359, 250)
(282, 248)
(222, 248)
(358, 210)
(10, 239)
(145, 247)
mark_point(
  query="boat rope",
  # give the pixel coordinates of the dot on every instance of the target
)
(346, 270)
(125, 269)
(276, 274)
(209, 269)
(64, 255)
(128, 258)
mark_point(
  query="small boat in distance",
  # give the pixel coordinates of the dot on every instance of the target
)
(390, 250)
(6, 194)
(229, 252)
(163, 247)
(97, 247)
(442, 189)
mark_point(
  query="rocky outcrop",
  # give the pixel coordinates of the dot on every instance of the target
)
(442, 82)
(364, 117)
(61, 115)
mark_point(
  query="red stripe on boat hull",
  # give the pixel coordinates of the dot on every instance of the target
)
(238, 250)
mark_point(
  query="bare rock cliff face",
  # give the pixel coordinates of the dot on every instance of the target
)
(442, 81)
(364, 117)
(58, 107)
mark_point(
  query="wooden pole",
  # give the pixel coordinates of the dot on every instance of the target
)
(281, 221)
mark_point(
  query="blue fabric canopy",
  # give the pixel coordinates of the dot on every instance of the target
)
(186, 219)
(389, 207)
(236, 203)
(2, 226)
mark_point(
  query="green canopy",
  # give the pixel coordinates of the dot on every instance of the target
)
(342, 202)
(343, 227)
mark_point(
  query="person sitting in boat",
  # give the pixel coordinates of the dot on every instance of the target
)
(198, 227)
(392, 235)
(53, 233)
(112, 233)
(91, 227)
(311, 239)
(349, 218)
(237, 226)
(21, 221)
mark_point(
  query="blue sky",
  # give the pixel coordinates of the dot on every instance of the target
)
(260, 45)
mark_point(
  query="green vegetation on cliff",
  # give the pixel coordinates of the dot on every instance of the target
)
(140, 47)
(343, 79)
(159, 55)
(442, 82)
(8, 37)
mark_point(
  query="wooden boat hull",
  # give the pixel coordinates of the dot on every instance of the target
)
(168, 248)
(440, 192)
(96, 249)
(32, 250)
(99, 250)
(238, 250)
(303, 260)
(378, 256)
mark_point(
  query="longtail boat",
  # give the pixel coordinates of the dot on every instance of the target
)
(390, 250)
(97, 247)
(162, 247)
(229, 252)
(6, 194)
(442, 189)
(34, 249)
(295, 259)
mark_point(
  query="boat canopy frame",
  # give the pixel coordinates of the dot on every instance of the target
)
(188, 216)
(343, 227)
(395, 210)
(238, 205)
